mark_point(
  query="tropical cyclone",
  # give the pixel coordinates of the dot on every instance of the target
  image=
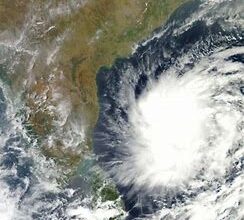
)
(170, 130)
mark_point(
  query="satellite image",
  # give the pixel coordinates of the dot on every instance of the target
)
(121, 110)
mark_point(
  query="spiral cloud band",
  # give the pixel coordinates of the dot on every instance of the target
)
(171, 127)
(187, 126)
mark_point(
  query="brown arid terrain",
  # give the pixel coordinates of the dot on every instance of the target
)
(61, 45)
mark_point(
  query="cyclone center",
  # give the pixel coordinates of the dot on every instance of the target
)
(170, 130)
